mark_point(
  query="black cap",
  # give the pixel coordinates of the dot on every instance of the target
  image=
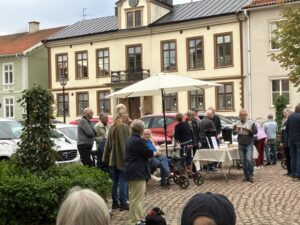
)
(154, 217)
(215, 206)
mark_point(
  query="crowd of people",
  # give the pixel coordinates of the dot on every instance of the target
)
(127, 152)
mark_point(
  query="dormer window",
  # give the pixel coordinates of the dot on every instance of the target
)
(134, 18)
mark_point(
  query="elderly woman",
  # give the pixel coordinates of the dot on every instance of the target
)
(137, 170)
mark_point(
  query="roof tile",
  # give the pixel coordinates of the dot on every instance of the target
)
(261, 3)
(19, 42)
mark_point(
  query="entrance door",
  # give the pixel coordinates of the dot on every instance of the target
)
(134, 108)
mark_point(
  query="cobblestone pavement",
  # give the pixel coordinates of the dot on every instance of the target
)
(272, 199)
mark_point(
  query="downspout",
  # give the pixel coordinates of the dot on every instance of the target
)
(249, 65)
(241, 61)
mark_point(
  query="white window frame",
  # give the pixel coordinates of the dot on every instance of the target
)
(4, 106)
(270, 34)
(13, 73)
(280, 89)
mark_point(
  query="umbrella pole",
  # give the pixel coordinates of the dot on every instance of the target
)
(164, 115)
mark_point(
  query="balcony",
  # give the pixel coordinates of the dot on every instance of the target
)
(123, 76)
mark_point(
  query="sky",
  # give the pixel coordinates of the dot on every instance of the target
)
(16, 14)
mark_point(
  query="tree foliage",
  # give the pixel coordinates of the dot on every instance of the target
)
(35, 150)
(287, 39)
(280, 104)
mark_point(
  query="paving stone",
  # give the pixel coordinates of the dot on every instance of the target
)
(273, 199)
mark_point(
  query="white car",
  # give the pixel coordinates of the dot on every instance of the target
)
(70, 133)
(10, 132)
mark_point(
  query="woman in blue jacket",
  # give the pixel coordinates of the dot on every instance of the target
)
(137, 170)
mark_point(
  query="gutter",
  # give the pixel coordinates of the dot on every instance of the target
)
(249, 65)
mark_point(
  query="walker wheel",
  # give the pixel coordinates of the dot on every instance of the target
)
(283, 163)
(176, 179)
(198, 179)
(184, 182)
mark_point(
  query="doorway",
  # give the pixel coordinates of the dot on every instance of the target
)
(134, 107)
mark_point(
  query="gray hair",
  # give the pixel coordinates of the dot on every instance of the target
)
(137, 127)
(179, 117)
(82, 207)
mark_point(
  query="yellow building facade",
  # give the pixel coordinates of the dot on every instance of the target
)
(140, 45)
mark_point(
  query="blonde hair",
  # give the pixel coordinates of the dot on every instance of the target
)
(82, 207)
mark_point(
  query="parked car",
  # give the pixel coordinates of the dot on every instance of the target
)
(93, 121)
(10, 132)
(233, 118)
(155, 123)
(70, 133)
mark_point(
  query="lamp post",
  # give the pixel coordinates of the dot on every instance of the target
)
(63, 83)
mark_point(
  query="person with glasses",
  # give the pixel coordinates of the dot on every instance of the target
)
(245, 129)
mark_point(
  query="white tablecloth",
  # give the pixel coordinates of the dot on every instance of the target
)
(224, 156)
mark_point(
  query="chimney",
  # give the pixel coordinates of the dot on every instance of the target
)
(34, 26)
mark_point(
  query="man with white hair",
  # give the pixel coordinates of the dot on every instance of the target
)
(86, 137)
(245, 129)
(207, 128)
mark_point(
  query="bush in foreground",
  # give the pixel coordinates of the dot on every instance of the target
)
(28, 198)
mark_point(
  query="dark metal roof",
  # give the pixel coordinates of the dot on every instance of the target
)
(182, 12)
(201, 9)
(87, 27)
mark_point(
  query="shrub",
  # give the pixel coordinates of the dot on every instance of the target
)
(28, 198)
(35, 150)
(280, 105)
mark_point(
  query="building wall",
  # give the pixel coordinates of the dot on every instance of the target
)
(16, 87)
(263, 69)
(151, 59)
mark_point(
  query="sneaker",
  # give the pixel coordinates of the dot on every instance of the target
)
(251, 179)
(268, 164)
(115, 206)
(256, 167)
(124, 207)
(274, 163)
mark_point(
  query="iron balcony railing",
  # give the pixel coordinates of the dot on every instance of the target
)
(129, 75)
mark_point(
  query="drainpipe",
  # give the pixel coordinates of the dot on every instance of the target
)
(249, 65)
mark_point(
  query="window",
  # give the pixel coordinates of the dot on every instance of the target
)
(103, 103)
(223, 46)
(9, 107)
(280, 87)
(225, 97)
(102, 62)
(134, 58)
(81, 64)
(60, 105)
(273, 42)
(196, 99)
(8, 72)
(82, 100)
(195, 53)
(169, 61)
(134, 19)
(61, 65)
(171, 102)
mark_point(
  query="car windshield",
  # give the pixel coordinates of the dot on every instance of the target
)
(70, 132)
(55, 134)
(10, 130)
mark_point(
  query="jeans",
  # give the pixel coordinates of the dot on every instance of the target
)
(271, 148)
(118, 177)
(295, 158)
(163, 164)
(246, 155)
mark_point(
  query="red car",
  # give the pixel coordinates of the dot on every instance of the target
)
(155, 122)
(93, 121)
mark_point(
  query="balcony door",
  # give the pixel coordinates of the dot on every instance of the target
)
(134, 62)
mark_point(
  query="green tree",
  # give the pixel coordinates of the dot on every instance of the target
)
(287, 39)
(35, 150)
(280, 105)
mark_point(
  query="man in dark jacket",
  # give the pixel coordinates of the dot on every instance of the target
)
(285, 142)
(245, 129)
(293, 131)
(86, 137)
(207, 129)
(217, 122)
